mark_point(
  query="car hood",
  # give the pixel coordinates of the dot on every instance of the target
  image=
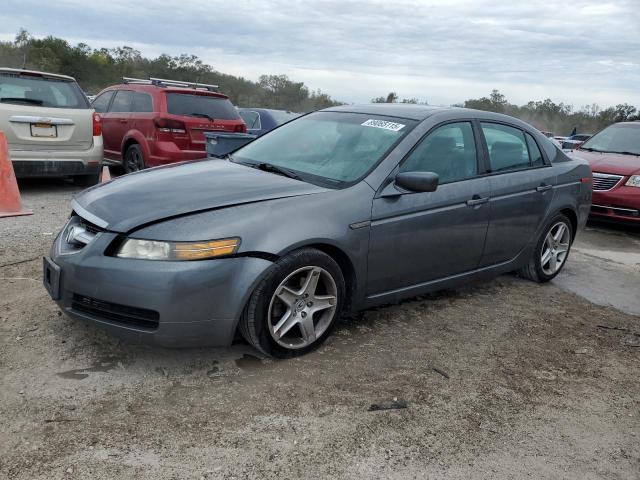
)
(615, 163)
(146, 197)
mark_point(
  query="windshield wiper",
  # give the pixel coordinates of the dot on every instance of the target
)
(32, 101)
(625, 152)
(268, 167)
(203, 115)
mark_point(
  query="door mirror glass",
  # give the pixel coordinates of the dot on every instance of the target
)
(418, 181)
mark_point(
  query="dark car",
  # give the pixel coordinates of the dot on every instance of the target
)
(262, 120)
(147, 123)
(339, 210)
(614, 156)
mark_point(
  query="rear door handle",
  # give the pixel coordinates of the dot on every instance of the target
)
(477, 200)
(544, 188)
(123, 120)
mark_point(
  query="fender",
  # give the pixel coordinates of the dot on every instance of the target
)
(139, 139)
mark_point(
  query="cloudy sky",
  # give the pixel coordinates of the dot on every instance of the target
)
(577, 52)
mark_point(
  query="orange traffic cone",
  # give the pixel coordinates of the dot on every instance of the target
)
(10, 205)
(105, 175)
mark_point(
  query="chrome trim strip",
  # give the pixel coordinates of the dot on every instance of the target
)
(607, 207)
(34, 119)
(88, 215)
(356, 225)
(606, 175)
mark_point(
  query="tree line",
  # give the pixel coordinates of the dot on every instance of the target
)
(97, 68)
(546, 115)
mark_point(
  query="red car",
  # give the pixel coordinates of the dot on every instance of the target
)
(153, 122)
(614, 155)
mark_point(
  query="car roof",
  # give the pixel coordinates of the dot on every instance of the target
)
(422, 112)
(36, 72)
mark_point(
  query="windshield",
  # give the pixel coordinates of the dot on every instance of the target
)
(337, 147)
(34, 89)
(618, 138)
(206, 106)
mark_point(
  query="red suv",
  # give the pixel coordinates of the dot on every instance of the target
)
(153, 122)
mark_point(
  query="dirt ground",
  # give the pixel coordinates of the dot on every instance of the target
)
(503, 379)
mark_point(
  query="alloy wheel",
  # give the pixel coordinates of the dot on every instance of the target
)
(555, 248)
(302, 307)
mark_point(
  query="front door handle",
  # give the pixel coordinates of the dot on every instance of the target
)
(543, 188)
(123, 120)
(477, 200)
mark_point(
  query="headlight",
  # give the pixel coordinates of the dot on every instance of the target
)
(634, 181)
(155, 250)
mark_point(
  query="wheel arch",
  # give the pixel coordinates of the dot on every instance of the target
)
(573, 218)
(131, 138)
(336, 253)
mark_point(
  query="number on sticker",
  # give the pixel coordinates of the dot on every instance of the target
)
(383, 124)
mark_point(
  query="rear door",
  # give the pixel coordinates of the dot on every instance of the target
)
(521, 190)
(421, 237)
(142, 114)
(41, 112)
(115, 123)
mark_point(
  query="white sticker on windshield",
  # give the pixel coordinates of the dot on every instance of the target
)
(396, 127)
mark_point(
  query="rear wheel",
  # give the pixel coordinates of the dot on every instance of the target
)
(134, 159)
(551, 252)
(294, 308)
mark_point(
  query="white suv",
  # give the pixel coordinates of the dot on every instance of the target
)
(50, 126)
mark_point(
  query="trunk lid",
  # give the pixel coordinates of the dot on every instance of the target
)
(202, 111)
(29, 128)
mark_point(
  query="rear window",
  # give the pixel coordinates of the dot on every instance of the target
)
(25, 89)
(201, 106)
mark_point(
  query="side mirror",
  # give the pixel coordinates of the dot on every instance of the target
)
(418, 181)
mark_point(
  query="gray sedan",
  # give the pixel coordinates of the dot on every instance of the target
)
(338, 210)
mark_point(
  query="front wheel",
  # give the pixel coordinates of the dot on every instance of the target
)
(551, 251)
(294, 308)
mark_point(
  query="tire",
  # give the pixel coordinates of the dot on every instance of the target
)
(86, 181)
(539, 270)
(282, 319)
(133, 159)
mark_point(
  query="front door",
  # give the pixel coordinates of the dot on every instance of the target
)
(420, 237)
(115, 124)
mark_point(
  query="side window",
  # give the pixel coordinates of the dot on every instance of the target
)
(122, 101)
(141, 102)
(507, 148)
(101, 102)
(449, 151)
(534, 152)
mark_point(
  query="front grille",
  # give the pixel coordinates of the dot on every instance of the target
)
(605, 181)
(116, 313)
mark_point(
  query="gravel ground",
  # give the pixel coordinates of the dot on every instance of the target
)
(502, 379)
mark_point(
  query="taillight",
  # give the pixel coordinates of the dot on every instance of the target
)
(240, 128)
(97, 125)
(169, 125)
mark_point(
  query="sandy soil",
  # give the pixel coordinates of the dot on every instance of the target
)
(503, 379)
